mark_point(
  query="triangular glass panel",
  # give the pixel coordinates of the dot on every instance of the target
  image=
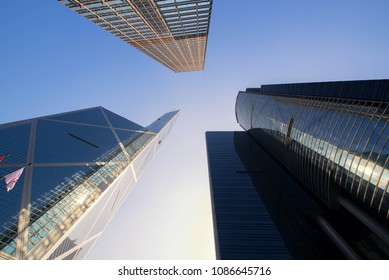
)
(120, 122)
(63, 142)
(127, 136)
(89, 116)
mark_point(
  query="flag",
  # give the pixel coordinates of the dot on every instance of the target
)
(12, 178)
(3, 157)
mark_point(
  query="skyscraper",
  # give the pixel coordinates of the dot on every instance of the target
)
(259, 211)
(331, 140)
(173, 32)
(78, 169)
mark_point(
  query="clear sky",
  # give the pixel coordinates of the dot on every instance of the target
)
(53, 60)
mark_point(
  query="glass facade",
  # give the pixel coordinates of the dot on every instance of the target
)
(259, 210)
(308, 179)
(332, 143)
(80, 161)
(174, 33)
(242, 225)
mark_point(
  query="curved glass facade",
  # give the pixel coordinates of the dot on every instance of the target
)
(331, 142)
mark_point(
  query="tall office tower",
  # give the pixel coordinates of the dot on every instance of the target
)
(259, 211)
(314, 171)
(173, 32)
(78, 169)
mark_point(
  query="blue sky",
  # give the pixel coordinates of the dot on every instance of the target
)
(53, 60)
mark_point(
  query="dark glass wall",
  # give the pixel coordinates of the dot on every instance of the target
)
(243, 227)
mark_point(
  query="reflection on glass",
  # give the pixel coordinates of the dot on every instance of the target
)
(325, 141)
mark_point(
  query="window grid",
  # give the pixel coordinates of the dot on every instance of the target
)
(80, 191)
(174, 33)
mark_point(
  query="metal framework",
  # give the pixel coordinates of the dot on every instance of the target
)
(173, 32)
(327, 139)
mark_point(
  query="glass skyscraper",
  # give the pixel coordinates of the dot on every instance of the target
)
(259, 210)
(78, 169)
(173, 32)
(332, 138)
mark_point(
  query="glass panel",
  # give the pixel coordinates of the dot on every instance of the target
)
(62, 142)
(120, 122)
(91, 116)
(14, 142)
